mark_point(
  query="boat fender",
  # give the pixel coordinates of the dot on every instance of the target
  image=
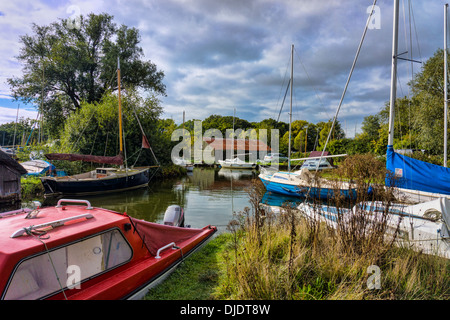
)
(174, 216)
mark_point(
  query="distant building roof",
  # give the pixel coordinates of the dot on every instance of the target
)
(249, 144)
(7, 161)
(318, 153)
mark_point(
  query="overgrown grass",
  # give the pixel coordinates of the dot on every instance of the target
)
(293, 256)
(292, 261)
(286, 256)
(196, 277)
(282, 263)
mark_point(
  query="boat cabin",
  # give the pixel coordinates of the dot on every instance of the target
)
(104, 172)
(80, 252)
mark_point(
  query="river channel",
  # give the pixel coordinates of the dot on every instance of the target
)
(208, 196)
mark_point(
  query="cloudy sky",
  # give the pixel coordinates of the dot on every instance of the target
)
(221, 55)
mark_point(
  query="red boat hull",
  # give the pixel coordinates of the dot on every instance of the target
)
(146, 262)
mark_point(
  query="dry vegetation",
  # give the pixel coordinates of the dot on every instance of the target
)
(288, 256)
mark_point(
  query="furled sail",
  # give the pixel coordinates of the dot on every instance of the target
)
(414, 174)
(118, 159)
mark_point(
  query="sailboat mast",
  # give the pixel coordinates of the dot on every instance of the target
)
(393, 74)
(445, 85)
(290, 110)
(120, 107)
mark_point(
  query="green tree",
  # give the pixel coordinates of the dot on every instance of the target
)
(269, 124)
(428, 89)
(324, 130)
(93, 129)
(371, 126)
(222, 123)
(16, 133)
(65, 65)
(419, 120)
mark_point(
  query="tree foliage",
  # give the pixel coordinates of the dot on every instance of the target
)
(64, 65)
(419, 119)
(94, 129)
(13, 133)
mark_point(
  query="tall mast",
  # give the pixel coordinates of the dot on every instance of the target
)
(290, 110)
(393, 75)
(445, 85)
(120, 107)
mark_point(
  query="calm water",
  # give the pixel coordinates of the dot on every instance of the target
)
(208, 196)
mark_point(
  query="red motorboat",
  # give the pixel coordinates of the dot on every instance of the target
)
(78, 252)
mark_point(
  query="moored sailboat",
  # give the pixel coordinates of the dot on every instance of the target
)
(38, 167)
(422, 227)
(236, 163)
(100, 180)
(301, 183)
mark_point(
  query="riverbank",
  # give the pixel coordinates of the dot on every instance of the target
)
(283, 257)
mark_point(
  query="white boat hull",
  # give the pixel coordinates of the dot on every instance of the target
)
(417, 196)
(236, 164)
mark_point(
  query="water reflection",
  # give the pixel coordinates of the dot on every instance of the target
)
(208, 196)
(280, 200)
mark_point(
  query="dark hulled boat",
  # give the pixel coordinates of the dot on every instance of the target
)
(101, 180)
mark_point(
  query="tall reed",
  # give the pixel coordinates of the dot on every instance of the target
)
(285, 255)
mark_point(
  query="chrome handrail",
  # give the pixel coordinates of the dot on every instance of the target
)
(172, 244)
(89, 207)
(49, 225)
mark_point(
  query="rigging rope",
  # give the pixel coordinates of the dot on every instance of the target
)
(345, 89)
(348, 80)
(143, 133)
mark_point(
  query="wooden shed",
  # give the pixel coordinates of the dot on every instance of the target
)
(10, 172)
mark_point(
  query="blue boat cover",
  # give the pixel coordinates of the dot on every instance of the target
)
(414, 174)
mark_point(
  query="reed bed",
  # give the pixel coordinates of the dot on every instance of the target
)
(286, 255)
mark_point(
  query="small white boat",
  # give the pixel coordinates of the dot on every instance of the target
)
(236, 163)
(317, 164)
(185, 164)
(421, 227)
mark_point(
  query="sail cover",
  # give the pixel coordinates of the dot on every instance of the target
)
(156, 235)
(414, 174)
(118, 160)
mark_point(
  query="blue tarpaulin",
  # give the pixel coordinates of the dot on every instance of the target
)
(414, 174)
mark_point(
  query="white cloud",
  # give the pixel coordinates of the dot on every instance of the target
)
(221, 55)
(9, 114)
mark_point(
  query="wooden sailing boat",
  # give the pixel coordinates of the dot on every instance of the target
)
(100, 180)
